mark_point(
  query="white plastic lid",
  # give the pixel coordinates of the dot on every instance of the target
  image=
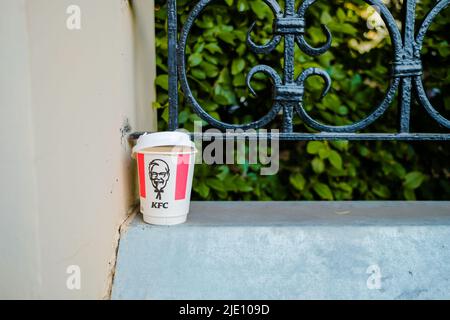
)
(163, 138)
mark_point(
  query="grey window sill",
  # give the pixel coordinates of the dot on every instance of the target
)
(290, 250)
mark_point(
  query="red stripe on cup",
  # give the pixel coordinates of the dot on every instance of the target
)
(182, 176)
(141, 171)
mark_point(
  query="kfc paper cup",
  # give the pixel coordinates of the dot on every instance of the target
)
(165, 162)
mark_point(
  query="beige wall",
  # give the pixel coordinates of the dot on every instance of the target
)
(65, 166)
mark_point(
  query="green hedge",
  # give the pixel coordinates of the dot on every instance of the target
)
(359, 65)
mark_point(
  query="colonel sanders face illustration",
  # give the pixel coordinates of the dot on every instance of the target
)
(159, 175)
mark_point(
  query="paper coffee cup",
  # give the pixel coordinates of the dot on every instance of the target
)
(165, 162)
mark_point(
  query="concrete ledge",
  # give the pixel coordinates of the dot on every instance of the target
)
(290, 250)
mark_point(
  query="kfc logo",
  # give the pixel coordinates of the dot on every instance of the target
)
(159, 176)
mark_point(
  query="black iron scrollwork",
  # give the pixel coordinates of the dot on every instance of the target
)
(289, 25)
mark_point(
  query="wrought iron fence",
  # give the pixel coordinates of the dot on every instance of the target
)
(288, 92)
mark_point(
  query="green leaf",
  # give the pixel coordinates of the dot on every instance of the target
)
(346, 28)
(297, 181)
(323, 191)
(183, 116)
(205, 23)
(211, 70)
(342, 110)
(224, 96)
(237, 66)
(409, 194)
(239, 80)
(202, 189)
(224, 77)
(227, 37)
(345, 187)
(213, 47)
(210, 58)
(413, 180)
(216, 184)
(156, 105)
(198, 73)
(199, 46)
(314, 147)
(260, 11)
(210, 106)
(243, 186)
(356, 81)
(341, 15)
(242, 5)
(335, 159)
(324, 153)
(224, 173)
(316, 34)
(163, 81)
(325, 17)
(341, 145)
(195, 59)
(241, 49)
(399, 170)
(318, 165)
(165, 115)
(381, 191)
(363, 151)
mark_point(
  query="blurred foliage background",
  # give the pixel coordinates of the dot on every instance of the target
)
(218, 61)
